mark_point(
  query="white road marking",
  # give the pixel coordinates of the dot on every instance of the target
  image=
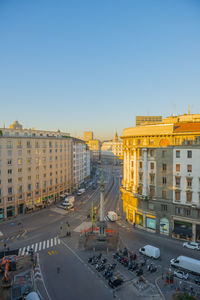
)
(58, 241)
(36, 246)
(55, 241)
(1, 233)
(40, 245)
(27, 249)
(44, 243)
(47, 243)
(18, 236)
(32, 246)
(23, 251)
(19, 252)
(51, 242)
(12, 237)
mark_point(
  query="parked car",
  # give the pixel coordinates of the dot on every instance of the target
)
(181, 274)
(139, 272)
(115, 281)
(197, 281)
(191, 245)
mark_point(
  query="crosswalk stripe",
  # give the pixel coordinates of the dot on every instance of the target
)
(47, 243)
(55, 241)
(23, 251)
(32, 246)
(18, 236)
(40, 245)
(19, 252)
(58, 241)
(27, 250)
(12, 237)
(51, 242)
(36, 246)
(44, 243)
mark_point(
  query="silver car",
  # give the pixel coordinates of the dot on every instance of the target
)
(181, 275)
(191, 245)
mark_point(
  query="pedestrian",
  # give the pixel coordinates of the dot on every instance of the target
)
(134, 224)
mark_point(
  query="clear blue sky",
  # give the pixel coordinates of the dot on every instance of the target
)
(94, 65)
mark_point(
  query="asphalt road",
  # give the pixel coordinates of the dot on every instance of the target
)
(76, 281)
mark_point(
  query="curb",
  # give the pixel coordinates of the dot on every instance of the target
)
(156, 283)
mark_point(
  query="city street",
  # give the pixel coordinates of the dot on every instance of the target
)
(76, 276)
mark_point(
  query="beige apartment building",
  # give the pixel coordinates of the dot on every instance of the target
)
(87, 136)
(35, 168)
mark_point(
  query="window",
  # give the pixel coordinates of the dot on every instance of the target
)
(0, 192)
(37, 185)
(19, 144)
(10, 199)
(9, 171)
(164, 180)
(9, 180)
(37, 145)
(164, 167)
(28, 152)
(189, 182)
(152, 191)
(50, 173)
(50, 166)
(50, 150)
(50, 158)
(9, 190)
(152, 166)
(19, 152)
(189, 168)
(9, 144)
(140, 152)
(163, 207)
(19, 161)
(50, 144)
(29, 177)
(44, 175)
(178, 180)
(29, 187)
(178, 154)
(29, 169)
(163, 153)
(9, 162)
(20, 188)
(189, 154)
(51, 182)
(28, 160)
(151, 153)
(177, 210)
(37, 176)
(44, 151)
(140, 164)
(9, 152)
(28, 144)
(44, 159)
(177, 195)
(187, 211)
(164, 194)
(37, 160)
(188, 197)
(37, 168)
(178, 167)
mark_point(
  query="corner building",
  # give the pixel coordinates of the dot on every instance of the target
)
(35, 168)
(149, 188)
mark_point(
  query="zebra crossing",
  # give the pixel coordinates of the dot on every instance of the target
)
(39, 246)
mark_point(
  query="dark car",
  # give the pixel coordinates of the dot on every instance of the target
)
(139, 272)
(115, 281)
(197, 281)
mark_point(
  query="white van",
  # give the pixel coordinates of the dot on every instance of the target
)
(150, 251)
(80, 192)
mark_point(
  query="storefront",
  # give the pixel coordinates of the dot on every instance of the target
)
(1, 213)
(139, 219)
(21, 208)
(10, 211)
(197, 232)
(182, 230)
(130, 216)
(164, 226)
(151, 223)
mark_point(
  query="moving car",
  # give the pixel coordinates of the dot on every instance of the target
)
(80, 192)
(112, 216)
(150, 251)
(191, 245)
(181, 274)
